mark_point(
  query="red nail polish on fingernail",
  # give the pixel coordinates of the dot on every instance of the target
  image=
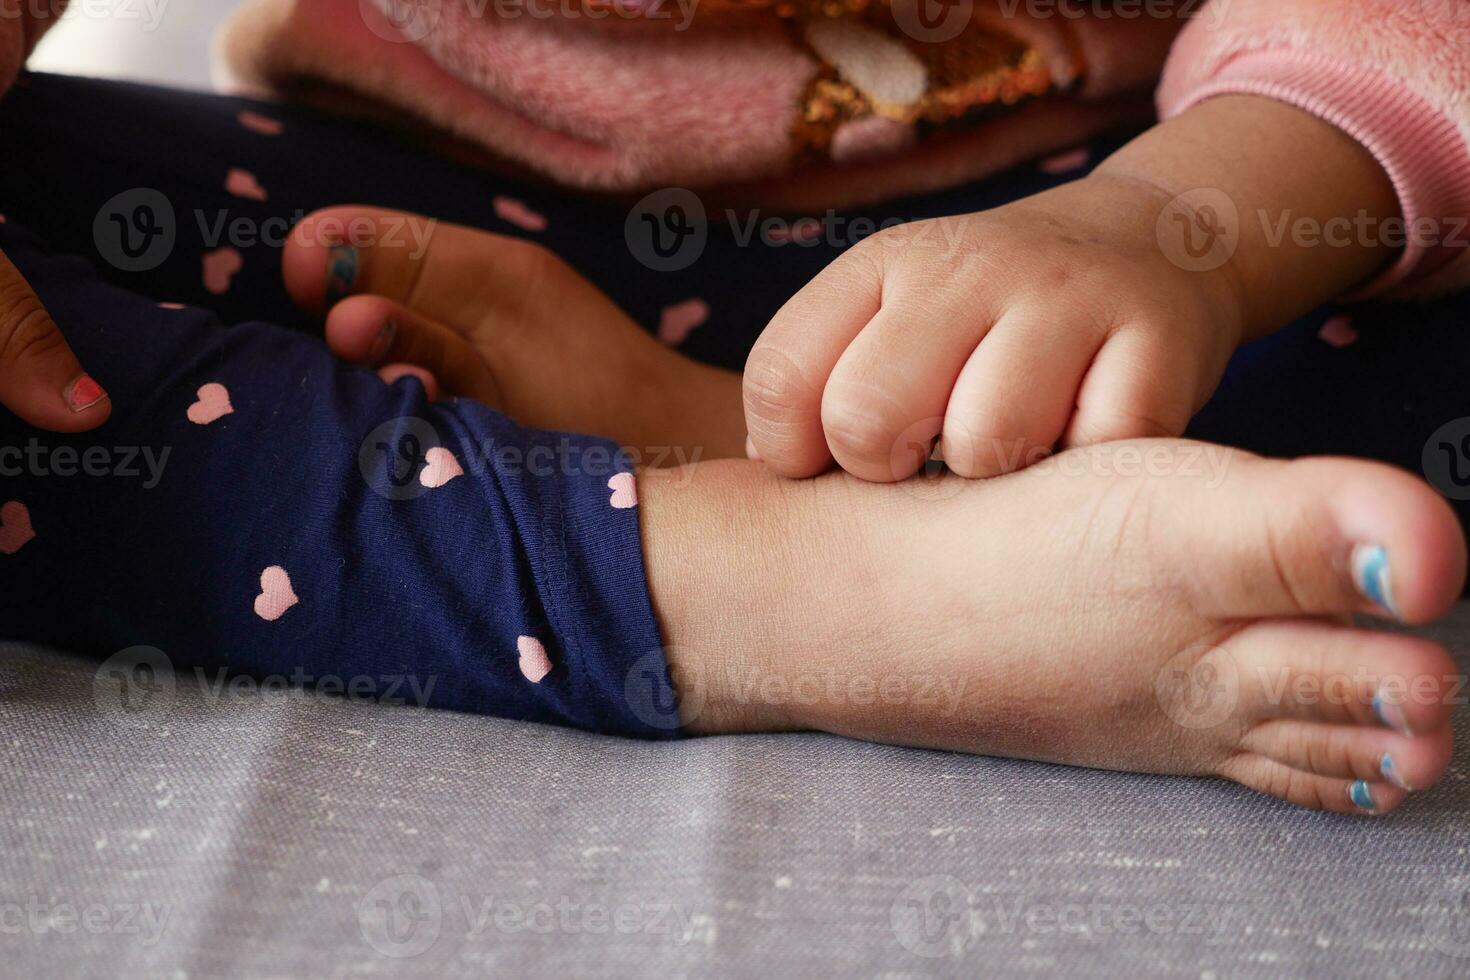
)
(83, 393)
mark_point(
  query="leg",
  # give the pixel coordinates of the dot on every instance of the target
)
(1178, 597)
(254, 504)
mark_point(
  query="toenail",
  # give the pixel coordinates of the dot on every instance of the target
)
(1391, 714)
(1373, 576)
(1362, 796)
(383, 342)
(341, 272)
(1391, 773)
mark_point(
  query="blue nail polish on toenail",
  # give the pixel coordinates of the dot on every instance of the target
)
(1391, 773)
(1390, 714)
(1373, 576)
(341, 272)
(382, 342)
(1362, 796)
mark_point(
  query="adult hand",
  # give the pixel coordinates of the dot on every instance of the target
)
(40, 378)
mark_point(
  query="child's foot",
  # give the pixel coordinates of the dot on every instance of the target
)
(506, 322)
(1156, 606)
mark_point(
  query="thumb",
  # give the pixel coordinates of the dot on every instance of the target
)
(40, 378)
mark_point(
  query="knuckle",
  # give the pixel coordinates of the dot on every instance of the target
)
(1117, 425)
(777, 393)
(26, 331)
(981, 440)
(860, 423)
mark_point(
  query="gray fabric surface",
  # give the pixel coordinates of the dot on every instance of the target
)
(282, 834)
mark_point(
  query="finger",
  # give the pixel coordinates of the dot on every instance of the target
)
(884, 405)
(396, 372)
(1134, 390)
(1016, 393)
(40, 378)
(435, 267)
(788, 369)
(373, 330)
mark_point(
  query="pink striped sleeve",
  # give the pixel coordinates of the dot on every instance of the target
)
(1393, 75)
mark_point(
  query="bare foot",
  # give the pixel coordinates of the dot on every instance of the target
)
(508, 323)
(1162, 607)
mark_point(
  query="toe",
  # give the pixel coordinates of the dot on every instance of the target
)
(1321, 537)
(1354, 752)
(1352, 796)
(393, 373)
(373, 330)
(1313, 671)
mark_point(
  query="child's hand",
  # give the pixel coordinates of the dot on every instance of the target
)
(1060, 319)
(1057, 320)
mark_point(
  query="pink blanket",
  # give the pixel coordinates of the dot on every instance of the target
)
(795, 105)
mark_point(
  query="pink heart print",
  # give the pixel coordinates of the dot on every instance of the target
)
(242, 183)
(517, 213)
(625, 491)
(15, 527)
(213, 404)
(276, 594)
(681, 319)
(220, 267)
(1339, 332)
(440, 466)
(264, 125)
(535, 663)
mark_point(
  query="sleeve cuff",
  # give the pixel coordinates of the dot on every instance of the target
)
(1423, 151)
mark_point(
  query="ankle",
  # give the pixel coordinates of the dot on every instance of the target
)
(730, 579)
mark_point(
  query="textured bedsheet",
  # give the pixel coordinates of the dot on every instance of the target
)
(194, 831)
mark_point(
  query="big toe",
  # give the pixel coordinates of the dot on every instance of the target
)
(1319, 537)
